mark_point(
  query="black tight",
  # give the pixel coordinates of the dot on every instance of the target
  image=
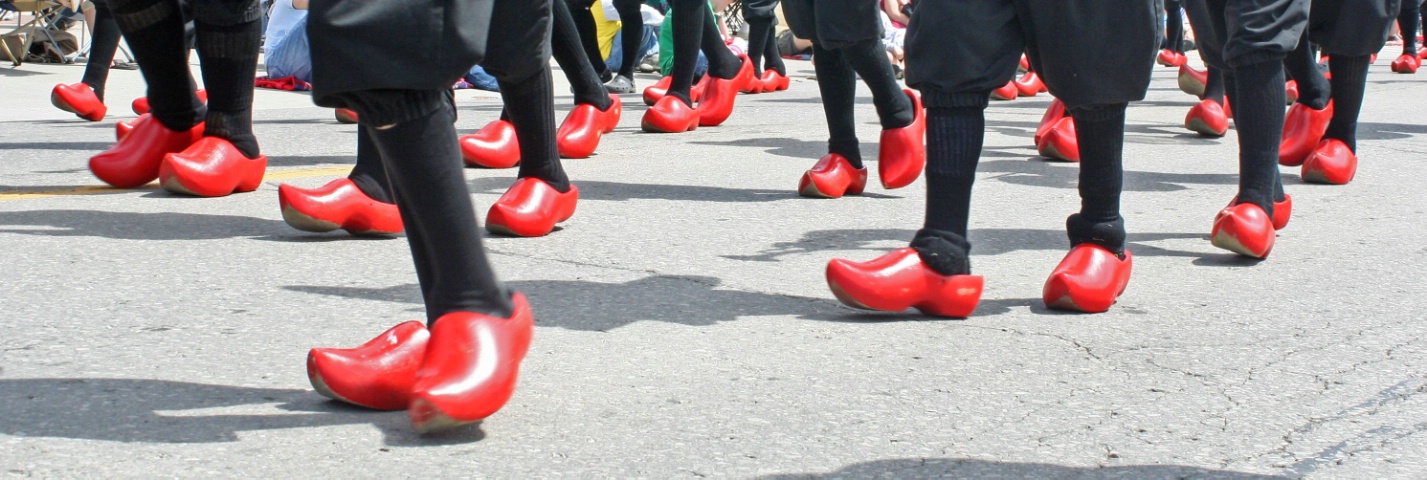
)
(631, 30)
(101, 49)
(565, 46)
(837, 71)
(695, 31)
(1257, 95)
(589, 35)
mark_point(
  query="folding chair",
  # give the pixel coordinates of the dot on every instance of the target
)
(15, 44)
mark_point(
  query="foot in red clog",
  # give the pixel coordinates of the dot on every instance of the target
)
(1170, 58)
(832, 177)
(338, 204)
(1290, 91)
(134, 160)
(1208, 119)
(531, 208)
(1282, 212)
(493, 146)
(211, 167)
(580, 133)
(774, 81)
(1192, 80)
(657, 91)
(80, 100)
(123, 129)
(378, 374)
(1053, 114)
(1244, 229)
(1405, 64)
(1303, 129)
(141, 104)
(345, 115)
(754, 87)
(471, 366)
(900, 280)
(670, 115)
(719, 95)
(1029, 85)
(1089, 279)
(1024, 65)
(1007, 92)
(902, 152)
(1332, 163)
(1059, 141)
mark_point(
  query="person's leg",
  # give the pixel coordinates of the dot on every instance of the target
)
(869, 60)
(688, 35)
(1100, 131)
(229, 37)
(1408, 19)
(1314, 90)
(770, 54)
(632, 31)
(1349, 83)
(589, 36)
(566, 48)
(154, 31)
(1174, 26)
(101, 49)
(837, 84)
(760, 17)
(369, 174)
(722, 62)
(532, 112)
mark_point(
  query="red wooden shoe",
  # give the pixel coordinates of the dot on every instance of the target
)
(1192, 80)
(832, 177)
(1053, 114)
(211, 167)
(719, 95)
(754, 87)
(899, 280)
(657, 91)
(141, 104)
(1290, 91)
(345, 115)
(1007, 92)
(1170, 58)
(774, 81)
(80, 100)
(1208, 119)
(338, 204)
(902, 152)
(134, 160)
(493, 146)
(1089, 279)
(1332, 163)
(670, 115)
(1303, 128)
(123, 129)
(471, 365)
(582, 129)
(1024, 65)
(1059, 142)
(378, 374)
(1029, 85)
(1421, 55)
(531, 208)
(1405, 64)
(1244, 229)
(1282, 212)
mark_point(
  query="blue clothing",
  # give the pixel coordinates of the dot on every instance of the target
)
(290, 55)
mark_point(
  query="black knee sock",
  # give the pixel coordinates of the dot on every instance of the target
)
(771, 55)
(688, 33)
(1174, 29)
(424, 164)
(1350, 76)
(869, 59)
(1214, 87)
(1258, 114)
(954, 139)
(760, 32)
(531, 110)
(589, 38)
(154, 30)
(1407, 22)
(228, 55)
(566, 48)
(1100, 132)
(631, 35)
(722, 62)
(369, 174)
(101, 49)
(838, 86)
(1313, 89)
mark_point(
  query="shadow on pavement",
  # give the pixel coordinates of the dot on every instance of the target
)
(94, 147)
(1038, 172)
(160, 411)
(984, 242)
(968, 468)
(140, 226)
(619, 192)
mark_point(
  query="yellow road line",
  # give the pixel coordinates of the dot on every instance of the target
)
(21, 194)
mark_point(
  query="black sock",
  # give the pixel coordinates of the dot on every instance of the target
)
(1214, 87)
(771, 55)
(760, 31)
(838, 86)
(1174, 28)
(688, 31)
(1350, 76)
(1313, 89)
(101, 49)
(1106, 233)
(589, 38)
(423, 162)
(531, 110)
(228, 56)
(869, 59)
(1100, 132)
(1258, 114)
(369, 174)
(154, 31)
(565, 46)
(631, 35)
(722, 62)
(954, 141)
(945, 252)
(1407, 20)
